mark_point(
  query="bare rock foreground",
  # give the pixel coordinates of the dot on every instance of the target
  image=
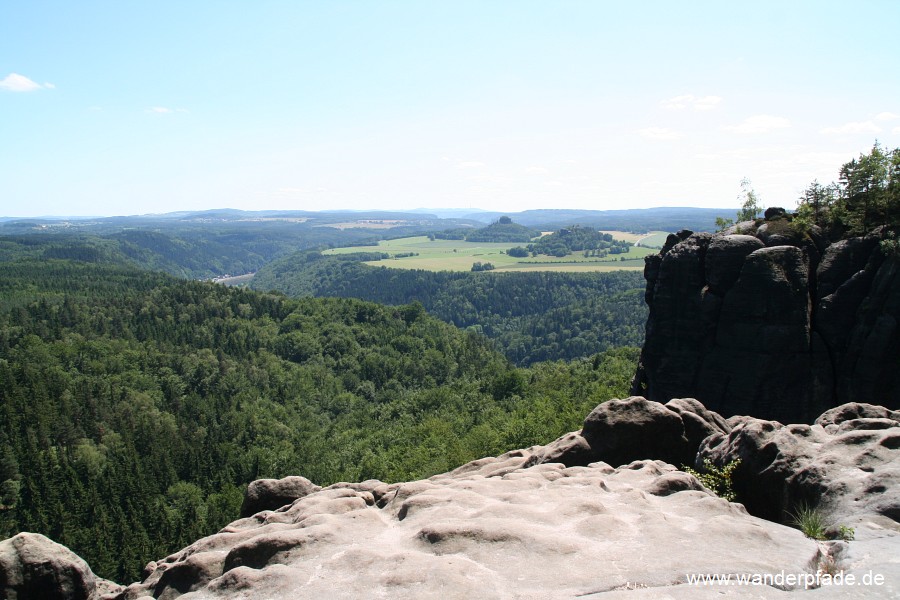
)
(525, 525)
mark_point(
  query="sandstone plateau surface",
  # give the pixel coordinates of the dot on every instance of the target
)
(596, 514)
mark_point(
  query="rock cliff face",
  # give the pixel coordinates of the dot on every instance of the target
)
(767, 321)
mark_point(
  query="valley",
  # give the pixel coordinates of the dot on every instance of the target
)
(420, 252)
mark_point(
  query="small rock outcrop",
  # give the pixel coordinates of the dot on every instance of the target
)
(620, 431)
(35, 567)
(768, 320)
(847, 463)
(271, 494)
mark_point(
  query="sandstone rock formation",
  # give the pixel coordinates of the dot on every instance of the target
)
(490, 529)
(847, 464)
(32, 566)
(552, 521)
(269, 494)
(620, 431)
(769, 321)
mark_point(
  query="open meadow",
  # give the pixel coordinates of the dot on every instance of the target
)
(455, 255)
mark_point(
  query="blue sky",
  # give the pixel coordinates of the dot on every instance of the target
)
(111, 108)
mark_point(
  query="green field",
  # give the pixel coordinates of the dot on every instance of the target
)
(655, 239)
(455, 255)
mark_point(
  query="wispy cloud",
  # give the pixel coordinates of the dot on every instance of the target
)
(659, 133)
(692, 101)
(19, 83)
(759, 124)
(162, 110)
(852, 127)
(470, 164)
(886, 116)
(535, 170)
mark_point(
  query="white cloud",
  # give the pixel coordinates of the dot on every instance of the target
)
(707, 102)
(537, 171)
(163, 110)
(896, 130)
(759, 124)
(19, 83)
(853, 127)
(470, 164)
(659, 133)
(886, 116)
(691, 101)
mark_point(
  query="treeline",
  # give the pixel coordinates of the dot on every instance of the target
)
(135, 407)
(866, 195)
(532, 316)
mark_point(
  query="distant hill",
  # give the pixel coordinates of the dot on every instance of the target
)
(213, 243)
(502, 230)
(644, 219)
(636, 219)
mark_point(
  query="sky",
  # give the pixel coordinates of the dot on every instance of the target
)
(120, 108)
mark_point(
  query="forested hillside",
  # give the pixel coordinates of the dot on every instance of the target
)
(502, 230)
(191, 255)
(135, 406)
(205, 244)
(532, 316)
(578, 239)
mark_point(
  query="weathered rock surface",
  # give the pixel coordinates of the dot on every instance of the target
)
(768, 321)
(490, 529)
(270, 494)
(620, 431)
(33, 566)
(847, 463)
(525, 525)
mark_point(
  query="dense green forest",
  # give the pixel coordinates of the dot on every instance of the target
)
(191, 255)
(532, 316)
(206, 244)
(134, 407)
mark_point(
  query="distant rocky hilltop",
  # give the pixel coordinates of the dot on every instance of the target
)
(773, 320)
(598, 513)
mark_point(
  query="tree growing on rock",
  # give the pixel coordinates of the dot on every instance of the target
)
(866, 195)
(750, 203)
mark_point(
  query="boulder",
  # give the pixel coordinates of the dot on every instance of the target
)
(35, 567)
(773, 212)
(272, 494)
(618, 432)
